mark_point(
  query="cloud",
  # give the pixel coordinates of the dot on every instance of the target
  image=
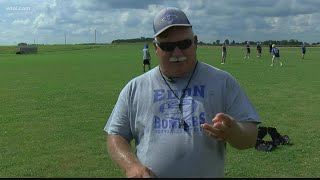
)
(21, 22)
(113, 19)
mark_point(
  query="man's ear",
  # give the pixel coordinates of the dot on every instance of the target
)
(195, 40)
(155, 47)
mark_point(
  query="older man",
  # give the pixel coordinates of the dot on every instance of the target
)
(181, 113)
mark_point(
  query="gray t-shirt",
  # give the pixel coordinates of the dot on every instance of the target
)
(147, 111)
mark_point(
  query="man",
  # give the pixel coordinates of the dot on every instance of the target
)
(270, 48)
(224, 53)
(247, 50)
(146, 57)
(276, 54)
(259, 49)
(181, 113)
(303, 50)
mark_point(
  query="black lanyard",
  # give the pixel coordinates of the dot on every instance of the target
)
(181, 122)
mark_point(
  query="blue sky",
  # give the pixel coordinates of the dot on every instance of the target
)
(47, 21)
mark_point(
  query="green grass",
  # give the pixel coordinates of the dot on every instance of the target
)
(54, 106)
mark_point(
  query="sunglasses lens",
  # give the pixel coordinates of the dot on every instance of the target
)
(167, 46)
(170, 46)
(185, 44)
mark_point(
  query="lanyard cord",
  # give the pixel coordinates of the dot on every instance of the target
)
(182, 122)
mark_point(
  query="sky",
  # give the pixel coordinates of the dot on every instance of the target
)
(78, 21)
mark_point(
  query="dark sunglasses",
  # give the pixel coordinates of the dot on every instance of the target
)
(170, 46)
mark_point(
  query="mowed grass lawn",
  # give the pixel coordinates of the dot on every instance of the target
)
(54, 106)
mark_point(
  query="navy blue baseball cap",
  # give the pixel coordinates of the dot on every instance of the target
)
(169, 17)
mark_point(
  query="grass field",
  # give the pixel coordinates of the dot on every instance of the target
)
(54, 106)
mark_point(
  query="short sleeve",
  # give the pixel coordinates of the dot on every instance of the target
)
(238, 104)
(118, 122)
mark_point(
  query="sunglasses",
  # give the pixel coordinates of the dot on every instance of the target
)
(170, 46)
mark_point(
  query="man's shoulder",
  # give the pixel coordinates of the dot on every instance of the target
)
(214, 74)
(143, 77)
(210, 69)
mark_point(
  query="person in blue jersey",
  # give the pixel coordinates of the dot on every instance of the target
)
(276, 55)
(259, 49)
(223, 53)
(180, 114)
(146, 57)
(303, 50)
(247, 55)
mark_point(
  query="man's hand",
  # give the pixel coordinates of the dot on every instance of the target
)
(120, 151)
(240, 135)
(223, 127)
(139, 171)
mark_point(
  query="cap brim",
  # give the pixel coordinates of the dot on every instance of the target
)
(162, 30)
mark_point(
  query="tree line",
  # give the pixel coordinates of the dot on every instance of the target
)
(135, 40)
(291, 42)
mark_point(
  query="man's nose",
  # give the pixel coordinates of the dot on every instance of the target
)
(176, 52)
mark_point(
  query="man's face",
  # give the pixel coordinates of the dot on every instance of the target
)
(175, 61)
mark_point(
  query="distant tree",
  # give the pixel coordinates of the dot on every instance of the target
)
(243, 43)
(218, 42)
(294, 42)
(226, 41)
(141, 39)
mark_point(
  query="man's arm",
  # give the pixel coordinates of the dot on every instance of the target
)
(149, 56)
(120, 151)
(245, 137)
